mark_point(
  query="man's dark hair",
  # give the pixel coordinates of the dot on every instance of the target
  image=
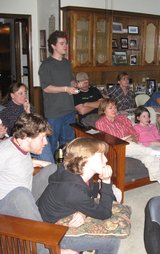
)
(30, 125)
(53, 38)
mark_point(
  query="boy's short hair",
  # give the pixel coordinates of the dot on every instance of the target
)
(53, 38)
(30, 125)
(79, 150)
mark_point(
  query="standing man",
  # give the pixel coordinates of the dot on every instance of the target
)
(121, 93)
(87, 100)
(56, 78)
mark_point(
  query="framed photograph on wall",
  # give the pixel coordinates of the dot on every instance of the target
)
(133, 44)
(117, 27)
(133, 59)
(151, 86)
(124, 43)
(133, 29)
(42, 38)
(114, 44)
(119, 58)
(43, 54)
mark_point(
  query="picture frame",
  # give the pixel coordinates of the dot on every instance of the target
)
(133, 59)
(117, 27)
(151, 86)
(119, 58)
(25, 70)
(43, 54)
(42, 38)
(124, 43)
(114, 44)
(133, 44)
(133, 29)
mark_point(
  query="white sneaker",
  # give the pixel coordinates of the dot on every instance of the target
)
(118, 193)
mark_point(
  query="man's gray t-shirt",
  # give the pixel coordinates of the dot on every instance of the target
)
(58, 73)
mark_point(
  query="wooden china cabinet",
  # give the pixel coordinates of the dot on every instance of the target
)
(104, 42)
(88, 37)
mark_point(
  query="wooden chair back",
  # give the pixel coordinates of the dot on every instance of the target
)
(20, 236)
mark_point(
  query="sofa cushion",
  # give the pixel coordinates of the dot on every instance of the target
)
(118, 225)
(135, 169)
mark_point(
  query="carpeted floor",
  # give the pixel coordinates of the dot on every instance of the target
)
(137, 199)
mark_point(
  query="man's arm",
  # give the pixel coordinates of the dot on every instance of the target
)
(60, 89)
(87, 107)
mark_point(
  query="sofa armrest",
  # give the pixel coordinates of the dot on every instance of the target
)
(31, 232)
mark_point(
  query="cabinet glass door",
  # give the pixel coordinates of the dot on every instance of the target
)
(101, 40)
(82, 45)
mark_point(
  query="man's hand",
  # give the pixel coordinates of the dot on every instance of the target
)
(77, 220)
(40, 163)
(71, 90)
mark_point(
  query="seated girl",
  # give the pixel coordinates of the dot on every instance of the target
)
(120, 126)
(148, 134)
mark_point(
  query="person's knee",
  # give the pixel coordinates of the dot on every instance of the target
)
(22, 195)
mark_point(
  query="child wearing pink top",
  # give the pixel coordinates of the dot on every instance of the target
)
(148, 134)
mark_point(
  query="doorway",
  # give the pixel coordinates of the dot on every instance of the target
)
(15, 52)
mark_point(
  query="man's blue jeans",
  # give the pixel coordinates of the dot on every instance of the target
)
(62, 131)
(46, 154)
